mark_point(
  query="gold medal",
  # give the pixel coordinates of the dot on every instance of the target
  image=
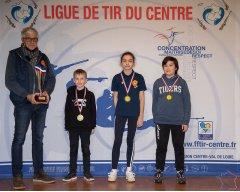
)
(80, 117)
(127, 98)
(169, 97)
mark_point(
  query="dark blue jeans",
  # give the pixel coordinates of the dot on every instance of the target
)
(84, 135)
(23, 115)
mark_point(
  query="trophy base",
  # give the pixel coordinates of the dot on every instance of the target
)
(40, 98)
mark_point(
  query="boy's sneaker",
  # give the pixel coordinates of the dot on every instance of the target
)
(112, 176)
(42, 177)
(181, 179)
(70, 177)
(18, 183)
(88, 177)
(158, 177)
(130, 176)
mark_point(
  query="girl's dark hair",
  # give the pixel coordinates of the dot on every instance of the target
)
(169, 58)
(128, 53)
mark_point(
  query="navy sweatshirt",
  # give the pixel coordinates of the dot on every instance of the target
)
(176, 111)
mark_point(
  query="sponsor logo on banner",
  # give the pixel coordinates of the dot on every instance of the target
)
(141, 168)
(22, 12)
(123, 168)
(150, 168)
(214, 15)
(205, 130)
(169, 38)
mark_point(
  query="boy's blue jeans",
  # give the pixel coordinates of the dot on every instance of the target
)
(23, 115)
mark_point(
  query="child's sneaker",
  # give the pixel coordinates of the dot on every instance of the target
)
(88, 177)
(158, 177)
(70, 177)
(130, 176)
(112, 176)
(181, 179)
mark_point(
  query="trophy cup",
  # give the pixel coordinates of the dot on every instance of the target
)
(40, 74)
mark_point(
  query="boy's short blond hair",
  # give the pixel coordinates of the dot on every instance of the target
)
(79, 71)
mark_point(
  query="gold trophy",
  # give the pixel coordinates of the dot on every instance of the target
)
(40, 75)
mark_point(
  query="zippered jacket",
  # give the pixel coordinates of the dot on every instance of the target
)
(20, 76)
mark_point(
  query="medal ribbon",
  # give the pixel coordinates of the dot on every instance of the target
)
(81, 106)
(169, 90)
(127, 89)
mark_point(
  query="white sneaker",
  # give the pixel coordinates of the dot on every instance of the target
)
(130, 176)
(112, 176)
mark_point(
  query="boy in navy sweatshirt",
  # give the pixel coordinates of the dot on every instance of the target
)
(171, 110)
(80, 121)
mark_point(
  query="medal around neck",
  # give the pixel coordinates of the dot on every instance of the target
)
(80, 117)
(127, 98)
(169, 97)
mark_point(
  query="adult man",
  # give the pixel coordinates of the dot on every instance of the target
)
(30, 79)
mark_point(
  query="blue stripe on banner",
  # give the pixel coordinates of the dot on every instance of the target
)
(135, 161)
(141, 168)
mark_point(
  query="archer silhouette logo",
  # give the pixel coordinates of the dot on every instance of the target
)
(169, 37)
(106, 110)
(105, 104)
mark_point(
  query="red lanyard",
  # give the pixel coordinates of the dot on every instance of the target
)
(129, 86)
(81, 105)
(169, 90)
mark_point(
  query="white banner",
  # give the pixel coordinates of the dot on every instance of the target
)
(203, 35)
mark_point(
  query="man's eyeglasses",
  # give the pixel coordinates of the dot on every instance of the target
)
(28, 39)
